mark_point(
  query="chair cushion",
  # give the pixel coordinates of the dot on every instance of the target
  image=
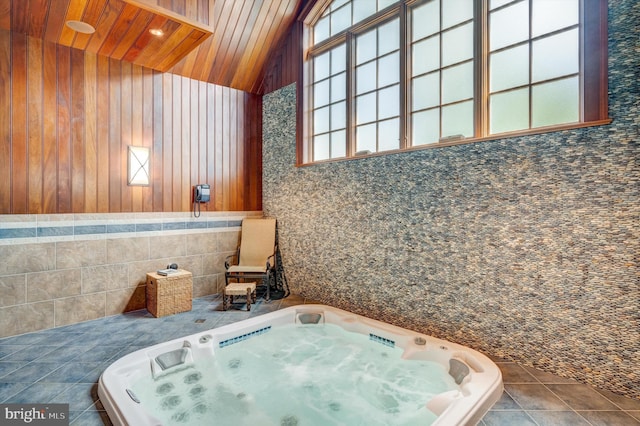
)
(255, 269)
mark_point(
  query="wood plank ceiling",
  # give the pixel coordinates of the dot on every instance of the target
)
(225, 42)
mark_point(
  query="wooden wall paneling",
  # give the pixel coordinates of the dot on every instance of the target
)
(235, 151)
(137, 121)
(176, 162)
(157, 156)
(91, 132)
(103, 125)
(77, 131)
(185, 144)
(203, 154)
(254, 159)
(218, 139)
(5, 15)
(5, 122)
(64, 129)
(194, 145)
(126, 111)
(49, 131)
(147, 133)
(211, 145)
(167, 142)
(115, 133)
(19, 145)
(34, 123)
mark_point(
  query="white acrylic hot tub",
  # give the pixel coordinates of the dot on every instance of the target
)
(475, 381)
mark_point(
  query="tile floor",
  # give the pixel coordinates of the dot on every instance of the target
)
(63, 366)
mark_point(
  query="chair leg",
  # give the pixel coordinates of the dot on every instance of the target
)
(224, 301)
(248, 299)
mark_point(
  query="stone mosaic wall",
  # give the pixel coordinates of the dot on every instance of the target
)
(525, 248)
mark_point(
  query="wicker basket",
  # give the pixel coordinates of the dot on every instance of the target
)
(167, 295)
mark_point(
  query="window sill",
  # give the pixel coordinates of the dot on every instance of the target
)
(530, 132)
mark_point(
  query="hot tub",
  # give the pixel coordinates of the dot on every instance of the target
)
(303, 365)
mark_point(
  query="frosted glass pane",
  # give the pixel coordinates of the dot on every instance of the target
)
(509, 25)
(366, 78)
(498, 3)
(339, 59)
(366, 138)
(457, 45)
(385, 3)
(426, 91)
(338, 87)
(388, 102)
(425, 127)
(426, 56)
(556, 56)
(340, 20)
(321, 94)
(321, 30)
(366, 108)
(389, 37)
(457, 83)
(556, 102)
(338, 116)
(552, 15)
(321, 147)
(509, 111)
(366, 47)
(389, 70)
(388, 135)
(321, 120)
(335, 4)
(363, 9)
(455, 12)
(509, 68)
(338, 144)
(457, 119)
(425, 20)
(321, 67)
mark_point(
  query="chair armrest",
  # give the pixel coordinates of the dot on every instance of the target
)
(228, 260)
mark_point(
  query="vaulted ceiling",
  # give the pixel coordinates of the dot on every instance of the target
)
(225, 42)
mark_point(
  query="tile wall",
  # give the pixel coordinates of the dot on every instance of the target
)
(62, 269)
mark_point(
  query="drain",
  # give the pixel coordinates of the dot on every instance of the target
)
(234, 363)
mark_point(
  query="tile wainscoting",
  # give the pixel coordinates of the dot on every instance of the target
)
(62, 269)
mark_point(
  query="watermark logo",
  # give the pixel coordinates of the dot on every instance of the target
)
(34, 414)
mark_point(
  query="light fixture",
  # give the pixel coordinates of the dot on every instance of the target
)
(138, 166)
(156, 32)
(81, 27)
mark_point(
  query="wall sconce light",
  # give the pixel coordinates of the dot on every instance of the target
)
(138, 166)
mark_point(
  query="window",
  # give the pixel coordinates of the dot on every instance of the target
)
(385, 76)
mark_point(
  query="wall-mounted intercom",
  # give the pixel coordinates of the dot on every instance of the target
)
(201, 194)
